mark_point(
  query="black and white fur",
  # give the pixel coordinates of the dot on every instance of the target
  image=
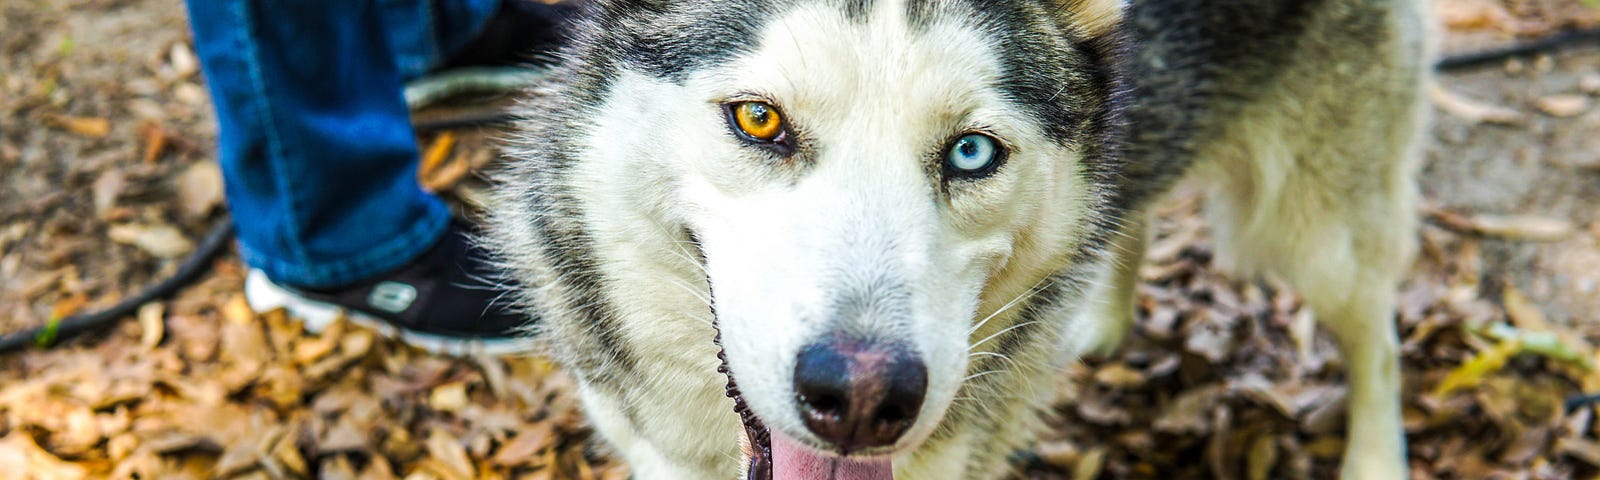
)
(638, 220)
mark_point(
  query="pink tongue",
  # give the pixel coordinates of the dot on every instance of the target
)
(791, 461)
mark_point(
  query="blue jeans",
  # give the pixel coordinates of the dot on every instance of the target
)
(316, 146)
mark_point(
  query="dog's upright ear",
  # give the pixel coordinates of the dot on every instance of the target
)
(1094, 17)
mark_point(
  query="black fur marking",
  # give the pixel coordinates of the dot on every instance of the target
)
(702, 34)
(857, 10)
(1196, 62)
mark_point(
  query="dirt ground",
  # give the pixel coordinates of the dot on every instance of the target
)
(107, 178)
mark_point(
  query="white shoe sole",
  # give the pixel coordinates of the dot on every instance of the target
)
(265, 296)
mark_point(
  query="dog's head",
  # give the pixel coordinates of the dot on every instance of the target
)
(869, 188)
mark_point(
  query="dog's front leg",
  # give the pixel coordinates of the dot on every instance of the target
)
(1365, 330)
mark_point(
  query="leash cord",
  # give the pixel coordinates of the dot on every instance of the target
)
(190, 270)
(1546, 44)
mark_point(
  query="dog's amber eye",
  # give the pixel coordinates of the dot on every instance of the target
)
(758, 120)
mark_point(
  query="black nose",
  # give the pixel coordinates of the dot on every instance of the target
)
(858, 394)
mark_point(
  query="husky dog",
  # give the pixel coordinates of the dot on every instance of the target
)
(881, 226)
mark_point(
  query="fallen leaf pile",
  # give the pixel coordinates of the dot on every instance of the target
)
(1223, 379)
(201, 387)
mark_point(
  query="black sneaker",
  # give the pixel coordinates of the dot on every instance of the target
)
(519, 33)
(444, 302)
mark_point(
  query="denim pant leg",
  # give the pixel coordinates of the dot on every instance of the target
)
(316, 146)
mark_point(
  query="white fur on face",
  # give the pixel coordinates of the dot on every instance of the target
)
(875, 104)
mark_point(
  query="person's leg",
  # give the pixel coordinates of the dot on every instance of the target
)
(316, 144)
(424, 34)
(320, 165)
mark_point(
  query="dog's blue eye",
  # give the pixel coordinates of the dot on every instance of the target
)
(973, 154)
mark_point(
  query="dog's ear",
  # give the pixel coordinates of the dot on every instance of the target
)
(1095, 17)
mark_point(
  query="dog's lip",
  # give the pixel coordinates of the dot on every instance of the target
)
(758, 439)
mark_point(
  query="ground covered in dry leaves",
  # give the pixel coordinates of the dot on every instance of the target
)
(106, 179)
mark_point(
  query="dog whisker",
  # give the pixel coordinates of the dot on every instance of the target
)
(1002, 357)
(981, 374)
(1030, 292)
(1002, 332)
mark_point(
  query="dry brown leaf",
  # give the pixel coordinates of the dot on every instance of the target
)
(1563, 105)
(281, 386)
(286, 454)
(120, 446)
(1582, 449)
(9, 153)
(237, 460)
(183, 61)
(1210, 339)
(1262, 456)
(1190, 412)
(1058, 454)
(68, 306)
(141, 464)
(344, 436)
(448, 451)
(377, 471)
(447, 176)
(584, 471)
(526, 445)
(308, 351)
(1471, 14)
(237, 311)
(74, 432)
(1515, 227)
(152, 326)
(106, 189)
(1473, 110)
(1090, 464)
(436, 154)
(1118, 375)
(18, 454)
(1326, 448)
(336, 467)
(190, 94)
(1590, 83)
(175, 441)
(355, 344)
(1102, 411)
(494, 375)
(450, 397)
(92, 127)
(162, 241)
(1524, 314)
(244, 351)
(154, 139)
(1524, 227)
(199, 188)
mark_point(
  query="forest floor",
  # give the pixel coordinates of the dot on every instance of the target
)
(108, 178)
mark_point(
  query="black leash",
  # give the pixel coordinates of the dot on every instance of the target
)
(190, 270)
(1531, 47)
